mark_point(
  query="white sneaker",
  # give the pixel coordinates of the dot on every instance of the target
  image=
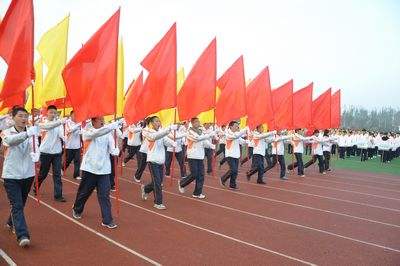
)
(167, 176)
(76, 215)
(181, 189)
(78, 178)
(160, 206)
(24, 242)
(201, 196)
(123, 164)
(136, 180)
(144, 194)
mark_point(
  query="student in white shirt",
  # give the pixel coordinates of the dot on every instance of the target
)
(134, 141)
(326, 148)
(51, 150)
(222, 143)
(96, 169)
(142, 154)
(208, 128)
(179, 137)
(197, 141)
(317, 142)
(233, 140)
(73, 144)
(298, 142)
(19, 170)
(260, 140)
(278, 153)
(157, 139)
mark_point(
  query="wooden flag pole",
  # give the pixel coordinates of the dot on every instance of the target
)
(34, 143)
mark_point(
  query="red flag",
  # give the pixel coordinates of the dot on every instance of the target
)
(259, 101)
(302, 107)
(198, 91)
(321, 111)
(60, 103)
(335, 110)
(231, 104)
(91, 75)
(159, 89)
(135, 90)
(14, 100)
(282, 102)
(16, 48)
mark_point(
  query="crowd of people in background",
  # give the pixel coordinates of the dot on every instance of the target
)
(95, 146)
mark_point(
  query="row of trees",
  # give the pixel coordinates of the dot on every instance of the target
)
(383, 120)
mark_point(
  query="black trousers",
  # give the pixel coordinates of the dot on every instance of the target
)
(281, 160)
(196, 167)
(141, 164)
(51, 160)
(220, 150)
(179, 158)
(208, 153)
(320, 162)
(132, 150)
(257, 166)
(342, 151)
(248, 157)
(299, 164)
(157, 176)
(327, 159)
(232, 173)
(364, 155)
(73, 155)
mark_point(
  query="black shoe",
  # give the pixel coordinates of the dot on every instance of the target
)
(222, 182)
(60, 199)
(233, 188)
(261, 182)
(113, 189)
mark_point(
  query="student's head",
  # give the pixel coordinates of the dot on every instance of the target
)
(316, 132)
(72, 115)
(195, 122)
(155, 122)
(223, 127)
(51, 112)
(260, 128)
(298, 130)
(326, 133)
(20, 117)
(98, 122)
(234, 126)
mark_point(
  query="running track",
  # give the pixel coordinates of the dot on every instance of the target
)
(343, 218)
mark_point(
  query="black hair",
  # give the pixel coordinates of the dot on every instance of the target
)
(193, 119)
(51, 107)
(17, 109)
(232, 123)
(315, 131)
(326, 133)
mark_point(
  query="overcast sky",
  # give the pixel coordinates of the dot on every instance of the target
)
(347, 44)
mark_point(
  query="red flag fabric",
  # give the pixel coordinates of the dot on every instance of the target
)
(91, 75)
(321, 111)
(159, 89)
(282, 102)
(259, 100)
(60, 103)
(302, 107)
(336, 110)
(133, 95)
(14, 100)
(198, 91)
(231, 104)
(16, 48)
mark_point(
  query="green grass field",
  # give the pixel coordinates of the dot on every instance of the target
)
(354, 163)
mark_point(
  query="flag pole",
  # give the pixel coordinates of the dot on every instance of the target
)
(34, 143)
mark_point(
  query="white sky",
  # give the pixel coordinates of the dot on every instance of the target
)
(347, 44)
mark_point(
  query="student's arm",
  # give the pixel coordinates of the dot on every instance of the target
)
(93, 133)
(197, 138)
(14, 139)
(209, 145)
(50, 125)
(153, 136)
(236, 135)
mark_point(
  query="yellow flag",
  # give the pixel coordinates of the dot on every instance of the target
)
(120, 84)
(37, 87)
(167, 116)
(52, 48)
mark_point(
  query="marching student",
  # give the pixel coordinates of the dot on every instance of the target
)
(371, 145)
(250, 147)
(157, 139)
(384, 147)
(317, 152)
(179, 139)
(222, 144)
(19, 170)
(326, 148)
(363, 146)
(260, 141)
(341, 144)
(134, 141)
(298, 142)
(278, 153)
(197, 141)
(208, 128)
(51, 150)
(233, 140)
(96, 169)
(114, 159)
(73, 144)
(142, 154)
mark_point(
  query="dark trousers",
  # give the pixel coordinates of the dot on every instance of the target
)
(342, 152)
(281, 160)
(232, 173)
(17, 193)
(179, 158)
(102, 185)
(299, 164)
(112, 175)
(327, 158)
(257, 166)
(267, 158)
(364, 155)
(196, 173)
(370, 153)
(157, 175)
(124, 144)
(73, 155)
(132, 150)
(385, 156)
(358, 151)
(320, 162)
(349, 151)
(248, 157)
(208, 153)
(220, 150)
(333, 149)
(141, 164)
(308, 149)
(290, 148)
(53, 160)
